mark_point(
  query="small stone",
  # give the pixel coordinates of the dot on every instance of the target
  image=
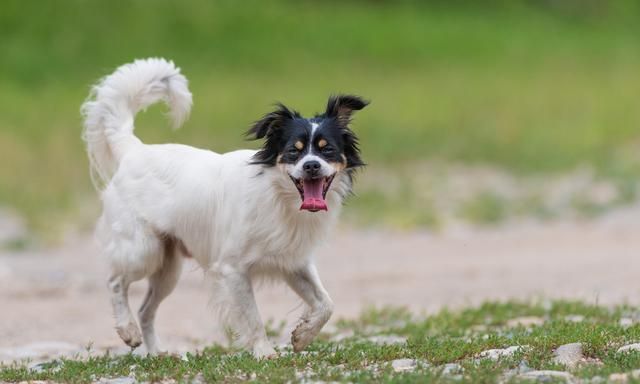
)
(525, 321)
(624, 377)
(388, 340)
(547, 376)
(574, 318)
(49, 366)
(34, 382)
(626, 322)
(495, 354)
(629, 348)
(37, 367)
(523, 367)
(618, 378)
(404, 365)
(568, 354)
(597, 380)
(452, 369)
(118, 380)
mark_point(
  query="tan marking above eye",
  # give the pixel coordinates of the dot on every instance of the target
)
(299, 145)
(322, 143)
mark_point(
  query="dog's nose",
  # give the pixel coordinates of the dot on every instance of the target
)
(311, 168)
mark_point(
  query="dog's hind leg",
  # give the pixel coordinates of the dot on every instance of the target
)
(125, 323)
(306, 283)
(161, 284)
(134, 252)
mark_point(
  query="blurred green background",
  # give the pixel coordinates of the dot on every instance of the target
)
(481, 111)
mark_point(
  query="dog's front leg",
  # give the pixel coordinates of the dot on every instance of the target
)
(233, 294)
(306, 283)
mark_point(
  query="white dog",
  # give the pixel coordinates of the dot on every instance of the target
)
(241, 215)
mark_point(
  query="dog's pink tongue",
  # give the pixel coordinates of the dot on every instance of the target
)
(313, 200)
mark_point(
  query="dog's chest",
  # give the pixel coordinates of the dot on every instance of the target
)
(290, 245)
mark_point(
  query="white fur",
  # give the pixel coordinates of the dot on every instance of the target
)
(237, 220)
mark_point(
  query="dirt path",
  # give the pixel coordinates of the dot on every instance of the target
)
(51, 298)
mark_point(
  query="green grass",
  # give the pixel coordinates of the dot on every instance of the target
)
(529, 88)
(446, 337)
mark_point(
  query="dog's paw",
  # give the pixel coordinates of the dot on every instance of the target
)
(130, 334)
(303, 335)
(264, 350)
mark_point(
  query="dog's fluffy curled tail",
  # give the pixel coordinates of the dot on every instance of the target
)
(109, 112)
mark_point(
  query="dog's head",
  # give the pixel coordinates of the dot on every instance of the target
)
(311, 152)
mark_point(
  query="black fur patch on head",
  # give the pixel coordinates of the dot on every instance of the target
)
(284, 130)
(272, 126)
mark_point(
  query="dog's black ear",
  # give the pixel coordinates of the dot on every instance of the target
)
(342, 106)
(271, 127)
(271, 122)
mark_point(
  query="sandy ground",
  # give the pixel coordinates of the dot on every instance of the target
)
(56, 301)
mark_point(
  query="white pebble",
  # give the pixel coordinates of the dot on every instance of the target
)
(568, 354)
(626, 322)
(495, 354)
(629, 348)
(404, 365)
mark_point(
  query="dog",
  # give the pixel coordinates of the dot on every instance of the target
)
(242, 215)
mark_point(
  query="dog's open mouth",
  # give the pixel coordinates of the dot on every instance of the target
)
(313, 192)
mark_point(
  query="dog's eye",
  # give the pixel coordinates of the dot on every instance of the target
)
(292, 152)
(327, 149)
